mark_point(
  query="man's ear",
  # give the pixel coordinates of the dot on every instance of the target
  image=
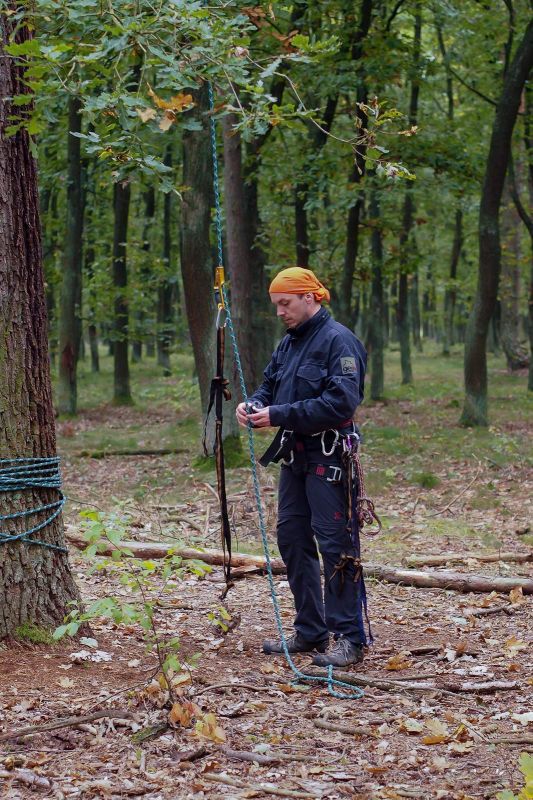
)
(309, 296)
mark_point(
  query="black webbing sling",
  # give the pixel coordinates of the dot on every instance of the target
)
(218, 393)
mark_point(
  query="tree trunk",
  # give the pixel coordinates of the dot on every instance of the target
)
(475, 362)
(164, 290)
(121, 207)
(70, 304)
(450, 296)
(239, 248)
(515, 352)
(197, 267)
(402, 309)
(301, 192)
(36, 583)
(344, 312)
(376, 322)
(149, 215)
(414, 305)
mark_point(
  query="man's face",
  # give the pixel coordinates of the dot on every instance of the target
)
(294, 309)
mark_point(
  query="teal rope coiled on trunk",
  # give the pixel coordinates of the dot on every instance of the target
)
(30, 474)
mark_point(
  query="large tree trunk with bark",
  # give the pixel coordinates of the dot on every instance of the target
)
(475, 362)
(239, 247)
(35, 582)
(196, 259)
(70, 305)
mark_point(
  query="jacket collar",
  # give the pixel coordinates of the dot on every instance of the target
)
(311, 324)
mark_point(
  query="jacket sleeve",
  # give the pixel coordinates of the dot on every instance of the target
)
(339, 394)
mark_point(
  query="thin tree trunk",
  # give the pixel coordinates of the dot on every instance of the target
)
(301, 192)
(239, 247)
(402, 309)
(149, 216)
(164, 290)
(414, 305)
(515, 353)
(36, 583)
(344, 311)
(70, 303)
(475, 362)
(450, 296)
(377, 315)
(121, 207)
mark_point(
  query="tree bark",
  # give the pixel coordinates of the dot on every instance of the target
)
(450, 296)
(121, 208)
(140, 317)
(197, 267)
(345, 314)
(35, 582)
(239, 248)
(70, 303)
(165, 317)
(475, 361)
(509, 292)
(376, 322)
(406, 243)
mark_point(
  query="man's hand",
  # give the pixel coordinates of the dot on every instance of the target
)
(260, 418)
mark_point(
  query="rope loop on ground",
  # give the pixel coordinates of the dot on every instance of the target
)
(31, 474)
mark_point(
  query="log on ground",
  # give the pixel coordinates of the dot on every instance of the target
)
(441, 579)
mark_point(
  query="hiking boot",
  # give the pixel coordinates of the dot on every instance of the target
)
(295, 644)
(342, 653)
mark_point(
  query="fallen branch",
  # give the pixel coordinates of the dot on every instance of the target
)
(488, 558)
(355, 679)
(267, 788)
(233, 686)
(171, 451)
(27, 778)
(67, 722)
(443, 579)
(506, 608)
(248, 755)
(352, 730)
(485, 687)
(525, 738)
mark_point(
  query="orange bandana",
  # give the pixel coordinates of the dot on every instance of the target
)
(297, 280)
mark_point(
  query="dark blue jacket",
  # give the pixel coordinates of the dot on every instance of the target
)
(315, 379)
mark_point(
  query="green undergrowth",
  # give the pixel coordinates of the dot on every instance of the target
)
(411, 440)
(29, 632)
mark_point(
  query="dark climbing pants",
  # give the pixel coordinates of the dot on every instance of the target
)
(311, 512)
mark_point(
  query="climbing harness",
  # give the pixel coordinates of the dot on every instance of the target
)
(30, 474)
(331, 682)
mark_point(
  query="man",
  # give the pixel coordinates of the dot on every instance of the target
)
(311, 389)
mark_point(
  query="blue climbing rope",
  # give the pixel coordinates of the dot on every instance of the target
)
(29, 474)
(355, 693)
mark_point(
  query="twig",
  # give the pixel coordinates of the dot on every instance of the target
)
(486, 612)
(248, 755)
(192, 755)
(352, 730)
(233, 686)
(525, 738)
(267, 788)
(68, 722)
(455, 499)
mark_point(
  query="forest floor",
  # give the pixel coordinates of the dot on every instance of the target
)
(460, 664)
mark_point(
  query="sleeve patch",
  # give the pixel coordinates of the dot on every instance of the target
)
(348, 365)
